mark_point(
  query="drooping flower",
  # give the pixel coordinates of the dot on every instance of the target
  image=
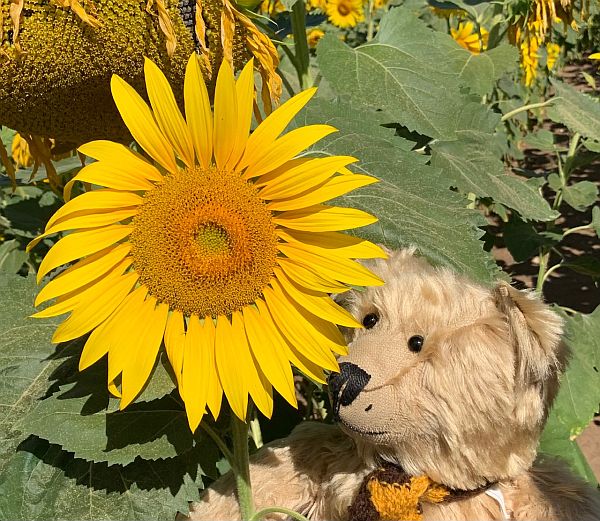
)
(20, 152)
(467, 36)
(345, 13)
(529, 47)
(552, 54)
(222, 248)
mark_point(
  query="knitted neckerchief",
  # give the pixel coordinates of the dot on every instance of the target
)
(390, 494)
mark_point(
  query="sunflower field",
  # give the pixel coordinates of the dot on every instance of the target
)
(184, 183)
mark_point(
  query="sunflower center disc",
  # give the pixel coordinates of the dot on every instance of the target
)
(343, 9)
(204, 242)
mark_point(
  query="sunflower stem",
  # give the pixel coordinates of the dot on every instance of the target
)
(298, 19)
(241, 469)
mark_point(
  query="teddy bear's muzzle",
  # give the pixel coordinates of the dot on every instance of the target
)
(346, 385)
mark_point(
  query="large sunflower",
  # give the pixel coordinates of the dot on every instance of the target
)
(221, 248)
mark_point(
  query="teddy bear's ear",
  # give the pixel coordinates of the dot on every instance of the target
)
(540, 355)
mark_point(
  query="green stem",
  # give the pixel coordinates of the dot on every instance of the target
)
(371, 26)
(577, 229)
(525, 108)
(277, 510)
(549, 271)
(241, 470)
(219, 443)
(298, 19)
(544, 256)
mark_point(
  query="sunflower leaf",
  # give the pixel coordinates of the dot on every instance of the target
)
(413, 206)
(576, 110)
(42, 481)
(579, 394)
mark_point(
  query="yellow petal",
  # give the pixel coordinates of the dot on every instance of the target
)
(281, 170)
(268, 131)
(317, 303)
(330, 189)
(301, 178)
(286, 148)
(333, 243)
(321, 218)
(140, 122)
(244, 88)
(84, 272)
(594, 56)
(97, 306)
(215, 390)
(295, 329)
(197, 111)
(266, 347)
(142, 352)
(121, 160)
(309, 278)
(226, 115)
(309, 368)
(122, 324)
(80, 244)
(105, 174)
(195, 372)
(325, 334)
(175, 345)
(82, 220)
(338, 268)
(95, 200)
(232, 375)
(166, 112)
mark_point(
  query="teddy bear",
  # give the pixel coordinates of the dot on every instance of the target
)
(439, 407)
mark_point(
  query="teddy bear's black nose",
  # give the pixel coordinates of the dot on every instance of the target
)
(346, 385)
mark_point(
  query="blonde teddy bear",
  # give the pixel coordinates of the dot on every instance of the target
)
(439, 406)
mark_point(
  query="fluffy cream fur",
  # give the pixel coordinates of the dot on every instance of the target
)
(465, 410)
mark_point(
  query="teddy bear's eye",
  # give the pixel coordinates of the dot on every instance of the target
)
(415, 343)
(370, 320)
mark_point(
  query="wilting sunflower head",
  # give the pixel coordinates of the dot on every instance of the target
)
(56, 62)
(219, 247)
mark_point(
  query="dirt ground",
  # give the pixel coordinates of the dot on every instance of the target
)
(566, 287)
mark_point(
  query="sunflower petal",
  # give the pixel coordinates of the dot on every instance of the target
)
(268, 131)
(233, 377)
(226, 115)
(123, 331)
(286, 148)
(259, 388)
(318, 304)
(95, 200)
(142, 352)
(83, 220)
(84, 272)
(140, 122)
(293, 326)
(175, 345)
(215, 389)
(303, 177)
(102, 174)
(80, 244)
(309, 278)
(195, 372)
(197, 111)
(96, 307)
(167, 113)
(338, 268)
(333, 243)
(244, 88)
(321, 218)
(335, 187)
(266, 347)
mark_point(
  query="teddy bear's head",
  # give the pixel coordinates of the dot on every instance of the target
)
(448, 378)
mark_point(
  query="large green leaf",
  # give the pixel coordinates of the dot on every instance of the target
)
(416, 75)
(472, 164)
(24, 358)
(43, 482)
(411, 202)
(578, 111)
(579, 396)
